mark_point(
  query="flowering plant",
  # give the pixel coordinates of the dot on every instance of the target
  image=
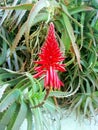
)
(50, 57)
(23, 27)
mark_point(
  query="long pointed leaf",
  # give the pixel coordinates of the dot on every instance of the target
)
(7, 116)
(33, 13)
(29, 120)
(20, 117)
(2, 89)
(9, 99)
(72, 38)
(18, 7)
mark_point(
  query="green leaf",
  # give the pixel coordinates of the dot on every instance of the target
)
(66, 40)
(7, 13)
(18, 36)
(7, 116)
(34, 87)
(95, 3)
(88, 87)
(38, 122)
(79, 9)
(33, 13)
(92, 58)
(4, 76)
(4, 53)
(29, 119)
(86, 105)
(2, 89)
(8, 70)
(21, 83)
(63, 94)
(92, 108)
(20, 117)
(11, 77)
(72, 38)
(78, 103)
(40, 17)
(59, 94)
(69, 16)
(12, 121)
(19, 7)
(9, 99)
(74, 102)
(4, 17)
(4, 39)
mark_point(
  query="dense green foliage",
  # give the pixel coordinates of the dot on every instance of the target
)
(23, 27)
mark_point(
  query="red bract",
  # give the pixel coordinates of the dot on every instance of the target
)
(50, 58)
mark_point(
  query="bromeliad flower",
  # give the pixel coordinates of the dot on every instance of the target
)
(49, 63)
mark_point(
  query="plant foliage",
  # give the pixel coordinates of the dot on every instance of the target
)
(23, 27)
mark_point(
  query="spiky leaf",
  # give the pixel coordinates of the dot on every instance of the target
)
(9, 99)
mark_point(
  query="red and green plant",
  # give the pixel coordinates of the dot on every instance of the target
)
(32, 60)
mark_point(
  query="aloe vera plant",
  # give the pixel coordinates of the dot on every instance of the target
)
(23, 30)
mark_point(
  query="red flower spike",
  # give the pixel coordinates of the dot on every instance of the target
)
(50, 57)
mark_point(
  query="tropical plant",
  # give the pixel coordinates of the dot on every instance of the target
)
(23, 30)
